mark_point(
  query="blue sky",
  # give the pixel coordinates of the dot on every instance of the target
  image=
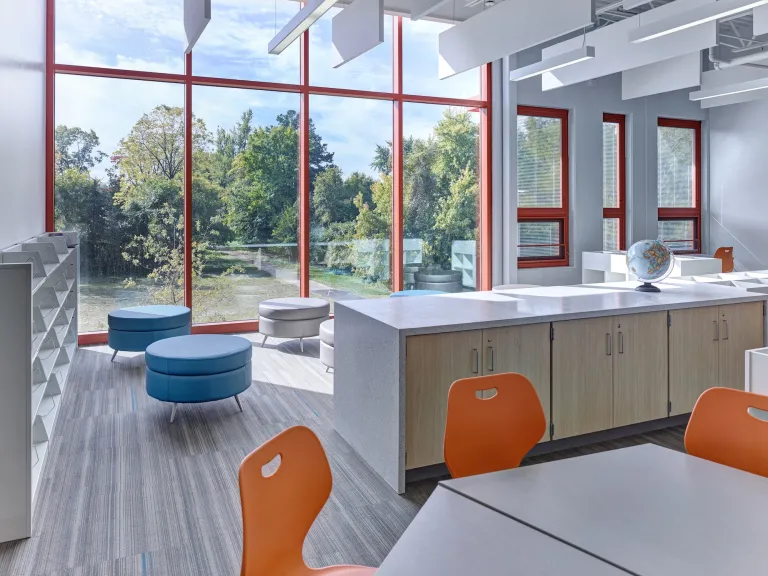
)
(149, 35)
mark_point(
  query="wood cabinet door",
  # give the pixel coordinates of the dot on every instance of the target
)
(741, 329)
(434, 362)
(582, 382)
(694, 339)
(525, 350)
(640, 368)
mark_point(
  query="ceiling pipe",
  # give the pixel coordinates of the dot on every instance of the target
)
(747, 60)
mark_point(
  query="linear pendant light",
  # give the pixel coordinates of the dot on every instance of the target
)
(700, 15)
(303, 19)
(553, 63)
(730, 89)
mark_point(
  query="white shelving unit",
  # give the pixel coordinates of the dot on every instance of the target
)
(38, 341)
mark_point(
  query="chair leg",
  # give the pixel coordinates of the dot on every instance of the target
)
(327, 369)
(173, 412)
(301, 344)
(264, 341)
(113, 356)
(237, 399)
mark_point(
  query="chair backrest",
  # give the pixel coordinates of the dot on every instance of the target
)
(725, 254)
(279, 509)
(723, 429)
(492, 433)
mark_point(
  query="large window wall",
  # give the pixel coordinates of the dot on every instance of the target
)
(227, 176)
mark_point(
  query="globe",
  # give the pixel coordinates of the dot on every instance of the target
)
(651, 261)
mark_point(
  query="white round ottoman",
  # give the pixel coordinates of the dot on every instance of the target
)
(292, 318)
(326, 344)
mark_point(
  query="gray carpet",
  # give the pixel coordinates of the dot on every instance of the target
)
(125, 493)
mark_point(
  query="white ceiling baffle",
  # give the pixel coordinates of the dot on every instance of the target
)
(760, 20)
(358, 28)
(615, 53)
(665, 76)
(732, 86)
(197, 14)
(508, 28)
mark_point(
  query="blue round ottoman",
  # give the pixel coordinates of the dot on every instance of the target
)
(133, 329)
(408, 293)
(199, 368)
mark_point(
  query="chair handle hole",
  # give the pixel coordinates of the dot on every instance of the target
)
(270, 468)
(758, 414)
(486, 394)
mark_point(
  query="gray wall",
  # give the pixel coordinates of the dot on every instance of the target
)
(22, 120)
(738, 214)
(587, 102)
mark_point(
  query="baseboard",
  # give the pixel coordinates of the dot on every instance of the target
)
(437, 471)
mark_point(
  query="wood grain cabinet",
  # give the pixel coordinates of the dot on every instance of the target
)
(706, 349)
(435, 361)
(582, 376)
(608, 372)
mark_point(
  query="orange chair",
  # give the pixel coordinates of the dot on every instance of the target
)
(279, 509)
(722, 430)
(490, 434)
(726, 255)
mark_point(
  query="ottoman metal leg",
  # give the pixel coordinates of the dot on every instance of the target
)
(237, 399)
(264, 341)
(173, 412)
(113, 356)
(301, 344)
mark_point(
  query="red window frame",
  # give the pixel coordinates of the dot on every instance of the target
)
(559, 215)
(481, 104)
(619, 213)
(694, 213)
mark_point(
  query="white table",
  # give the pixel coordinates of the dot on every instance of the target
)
(611, 266)
(649, 510)
(454, 536)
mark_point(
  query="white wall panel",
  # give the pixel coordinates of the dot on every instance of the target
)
(659, 77)
(727, 76)
(197, 14)
(508, 28)
(356, 29)
(616, 54)
(760, 20)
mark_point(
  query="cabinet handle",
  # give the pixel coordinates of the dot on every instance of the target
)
(725, 329)
(717, 330)
(477, 361)
(493, 359)
(621, 342)
(608, 344)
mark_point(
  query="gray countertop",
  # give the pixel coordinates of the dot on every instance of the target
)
(477, 310)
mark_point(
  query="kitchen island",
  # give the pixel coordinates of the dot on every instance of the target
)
(601, 357)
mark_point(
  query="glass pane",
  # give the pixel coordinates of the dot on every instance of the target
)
(676, 167)
(351, 199)
(610, 165)
(420, 64)
(539, 158)
(118, 34)
(679, 235)
(235, 42)
(539, 240)
(119, 182)
(369, 71)
(611, 234)
(244, 201)
(441, 195)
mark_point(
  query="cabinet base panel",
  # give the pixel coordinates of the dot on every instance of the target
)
(441, 470)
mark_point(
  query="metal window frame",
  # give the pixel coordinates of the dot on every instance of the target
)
(693, 213)
(561, 214)
(619, 213)
(305, 89)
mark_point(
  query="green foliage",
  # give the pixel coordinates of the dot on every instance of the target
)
(76, 149)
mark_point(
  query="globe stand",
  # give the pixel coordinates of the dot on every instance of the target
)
(647, 287)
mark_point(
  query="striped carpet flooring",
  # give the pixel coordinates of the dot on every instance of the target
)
(125, 493)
